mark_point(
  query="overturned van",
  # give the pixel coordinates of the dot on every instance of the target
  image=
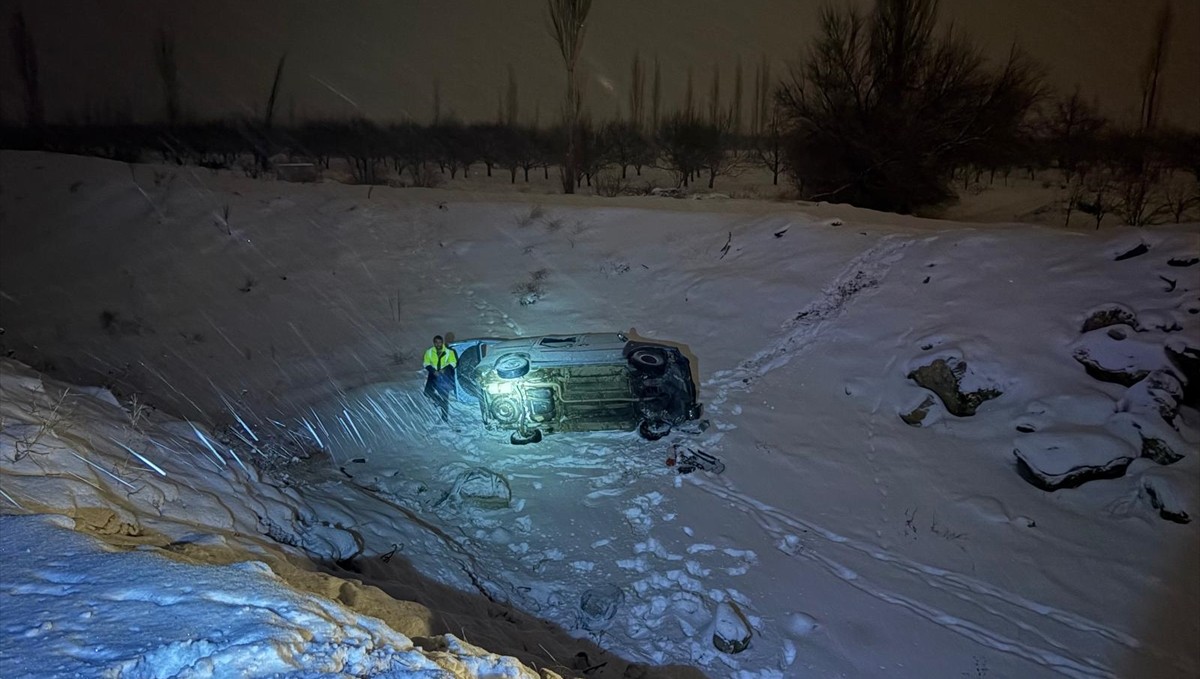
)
(533, 386)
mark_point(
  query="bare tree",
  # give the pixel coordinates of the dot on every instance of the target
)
(1180, 195)
(1153, 68)
(688, 145)
(269, 114)
(722, 158)
(656, 99)
(592, 156)
(1075, 192)
(763, 95)
(735, 107)
(901, 37)
(567, 23)
(1097, 184)
(263, 143)
(682, 143)
(27, 70)
(637, 91)
(768, 145)
(437, 101)
(364, 146)
(512, 102)
(1073, 129)
(714, 96)
(168, 72)
(882, 111)
(1182, 192)
(689, 95)
(625, 146)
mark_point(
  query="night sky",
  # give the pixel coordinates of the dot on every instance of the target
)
(381, 59)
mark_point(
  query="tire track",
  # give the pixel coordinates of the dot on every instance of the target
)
(1047, 651)
(864, 272)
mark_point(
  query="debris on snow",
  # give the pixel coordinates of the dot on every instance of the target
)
(1138, 250)
(598, 607)
(668, 192)
(687, 460)
(482, 488)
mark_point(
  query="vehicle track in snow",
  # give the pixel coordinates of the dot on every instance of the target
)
(1041, 644)
(864, 272)
(1035, 632)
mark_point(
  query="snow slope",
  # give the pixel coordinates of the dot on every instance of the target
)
(853, 543)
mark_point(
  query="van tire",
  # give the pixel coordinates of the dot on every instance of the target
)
(512, 366)
(648, 361)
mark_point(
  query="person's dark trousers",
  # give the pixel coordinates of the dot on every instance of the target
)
(438, 386)
(442, 400)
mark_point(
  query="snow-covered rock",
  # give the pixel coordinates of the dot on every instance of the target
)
(1110, 314)
(1065, 460)
(730, 631)
(1119, 354)
(1155, 438)
(916, 416)
(1159, 393)
(945, 377)
(1160, 493)
(1184, 354)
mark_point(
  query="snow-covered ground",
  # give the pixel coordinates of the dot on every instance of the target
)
(259, 314)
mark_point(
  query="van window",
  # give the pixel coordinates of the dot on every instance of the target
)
(558, 342)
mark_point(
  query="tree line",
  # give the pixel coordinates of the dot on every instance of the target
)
(885, 110)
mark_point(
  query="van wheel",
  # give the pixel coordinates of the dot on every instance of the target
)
(506, 410)
(512, 366)
(653, 430)
(649, 361)
(523, 438)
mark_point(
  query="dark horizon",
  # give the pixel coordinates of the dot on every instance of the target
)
(382, 61)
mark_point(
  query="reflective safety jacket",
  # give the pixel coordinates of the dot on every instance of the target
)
(448, 357)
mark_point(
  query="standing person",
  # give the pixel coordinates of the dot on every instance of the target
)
(440, 361)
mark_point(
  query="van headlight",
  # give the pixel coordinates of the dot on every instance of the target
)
(504, 387)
